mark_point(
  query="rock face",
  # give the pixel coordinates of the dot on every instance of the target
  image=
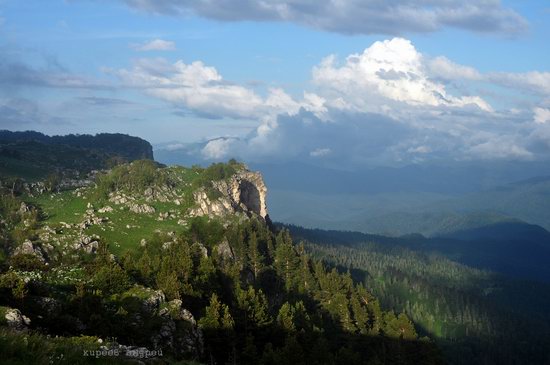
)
(141, 208)
(184, 337)
(225, 252)
(88, 244)
(153, 300)
(244, 192)
(28, 248)
(14, 319)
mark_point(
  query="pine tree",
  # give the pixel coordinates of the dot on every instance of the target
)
(218, 327)
(20, 290)
(285, 318)
(206, 275)
(144, 265)
(168, 282)
(286, 261)
(255, 257)
(253, 305)
(212, 318)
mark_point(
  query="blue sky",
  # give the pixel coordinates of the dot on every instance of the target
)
(451, 80)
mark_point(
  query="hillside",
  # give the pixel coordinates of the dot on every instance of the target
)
(127, 147)
(144, 259)
(34, 156)
(509, 247)
(476, 316)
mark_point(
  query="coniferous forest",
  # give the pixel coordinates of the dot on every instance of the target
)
(475, 316)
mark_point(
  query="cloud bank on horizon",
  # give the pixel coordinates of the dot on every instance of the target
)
(389, 103)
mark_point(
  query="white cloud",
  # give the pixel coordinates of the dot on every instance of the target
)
(534, 81)
(387, 104)
(354, 16)
(217, 148)
(155, 45)
(442, 67)
(499, 147)
(174, 147)
(320, 152)
(202, 89)
(392, 70)
(420, 149)
(541, 115)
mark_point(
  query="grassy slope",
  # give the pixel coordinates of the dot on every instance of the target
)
(125, 229)
(34, 160)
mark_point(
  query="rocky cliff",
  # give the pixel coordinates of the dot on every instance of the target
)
(244, 192)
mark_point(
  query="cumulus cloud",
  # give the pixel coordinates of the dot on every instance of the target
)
(350, 138)
(155, 45)
(541, 115)
(202, 89)
(217, 148)
(354, 16)
(443, 68)
(392, 69)
(390, 104)
(387, 104)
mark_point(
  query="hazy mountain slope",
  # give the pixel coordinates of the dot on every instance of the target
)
(33, 156)
(127, 147)
(513, 248)
(527, 200)
(478, 317)
(416, 212)
(33, 160)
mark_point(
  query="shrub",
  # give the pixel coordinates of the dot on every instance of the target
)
(26, 262)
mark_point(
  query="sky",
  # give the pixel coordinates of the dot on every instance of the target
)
(336, 82)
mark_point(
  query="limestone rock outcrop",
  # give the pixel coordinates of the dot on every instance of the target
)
(14, 319)
(29, 248)
(244, 192)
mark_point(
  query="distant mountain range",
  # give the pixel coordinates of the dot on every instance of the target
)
(415, 207)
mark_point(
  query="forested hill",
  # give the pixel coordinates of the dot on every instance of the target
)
(476, 316)
(33, 156)
(148, 258)
(128, 147)
(511, 247)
